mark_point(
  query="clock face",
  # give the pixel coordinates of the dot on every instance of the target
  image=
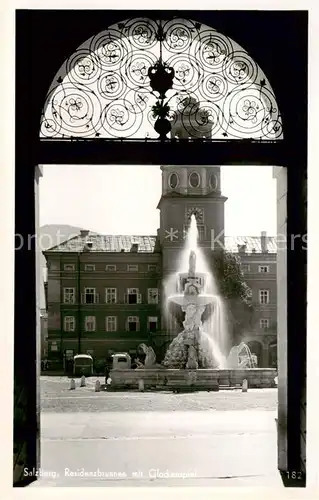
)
(198, 212)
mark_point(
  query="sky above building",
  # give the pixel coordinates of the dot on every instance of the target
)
(122, 199)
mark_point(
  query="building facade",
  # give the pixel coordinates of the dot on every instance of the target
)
(259, 266)
(105, 294)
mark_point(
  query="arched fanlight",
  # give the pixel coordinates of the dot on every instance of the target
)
(177, 77)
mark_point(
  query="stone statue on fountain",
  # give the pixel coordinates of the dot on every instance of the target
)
(150, 357)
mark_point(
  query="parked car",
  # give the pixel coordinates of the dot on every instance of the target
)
(83, 365)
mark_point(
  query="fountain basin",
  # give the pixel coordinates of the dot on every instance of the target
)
(184, 380)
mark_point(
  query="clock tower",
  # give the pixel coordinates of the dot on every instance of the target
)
(188, 190)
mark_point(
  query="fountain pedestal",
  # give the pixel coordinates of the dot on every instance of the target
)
(190, 338)
(192, 363)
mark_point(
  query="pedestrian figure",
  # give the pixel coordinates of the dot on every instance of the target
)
(107, 373)
(71, 365)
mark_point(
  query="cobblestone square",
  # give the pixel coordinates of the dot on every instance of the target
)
(156, 439)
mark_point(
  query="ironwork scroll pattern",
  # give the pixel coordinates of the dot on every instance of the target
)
(103, 89)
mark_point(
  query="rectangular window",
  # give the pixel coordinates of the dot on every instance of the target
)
(152, 323)
(90, 323)
(133, 296)
(264, 323)
(152, 267)
(110, 323)
(263, 269)
(152, 295)
(89, 267)
(69, 323)
(133, 324)
(245, 268)
(110, 295)
(264, 296)
(69, 295)
(110, 267)
(90, 296)
(69, 267)
(132, 267)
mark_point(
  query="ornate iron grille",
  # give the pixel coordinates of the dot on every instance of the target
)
(125, 81)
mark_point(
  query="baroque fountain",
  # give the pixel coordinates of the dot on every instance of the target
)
(195, 359)
(193, 348)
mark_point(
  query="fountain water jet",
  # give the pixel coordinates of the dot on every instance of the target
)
(240, 356)
(197, 295)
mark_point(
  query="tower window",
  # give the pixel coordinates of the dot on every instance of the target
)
(173, 180)
(194, 180)
(213, 182)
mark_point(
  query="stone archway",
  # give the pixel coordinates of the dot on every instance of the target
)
(291, 153)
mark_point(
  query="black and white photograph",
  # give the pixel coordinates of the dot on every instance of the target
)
(160, 304)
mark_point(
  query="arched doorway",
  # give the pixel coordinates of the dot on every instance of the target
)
(272, 355)
(256, 348)
(289, 152)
